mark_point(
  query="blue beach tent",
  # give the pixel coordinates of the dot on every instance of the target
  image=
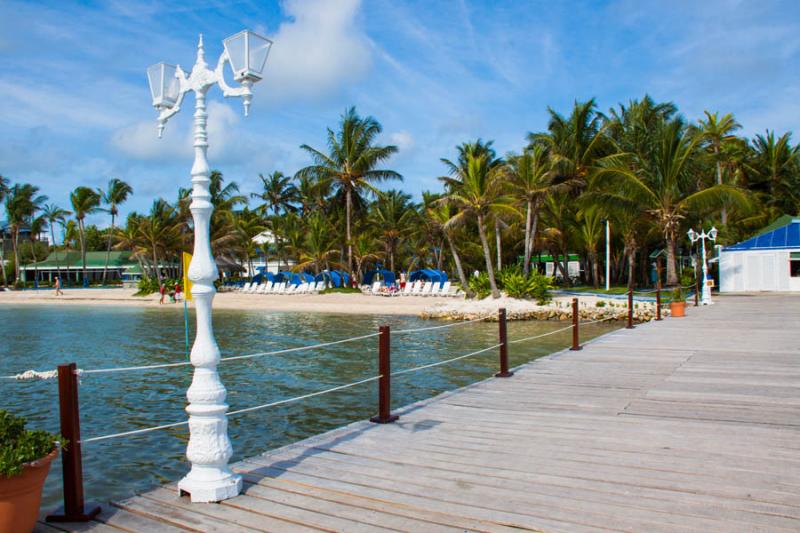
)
(334, 278)
(428, 274)
(387, 276)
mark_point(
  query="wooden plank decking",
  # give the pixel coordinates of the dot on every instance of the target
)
(684, 425)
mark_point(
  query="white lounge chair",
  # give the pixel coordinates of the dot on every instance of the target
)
(420, 288)
(408, 288)
(445, 290)
(376, 288)
(245, 287)
(252, 289)
(270, 287)
(261, 288)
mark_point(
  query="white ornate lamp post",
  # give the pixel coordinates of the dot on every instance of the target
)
(694, 237)
(209, 449)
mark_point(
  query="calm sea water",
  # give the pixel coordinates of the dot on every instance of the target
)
(41, 337)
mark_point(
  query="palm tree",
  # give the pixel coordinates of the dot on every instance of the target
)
(318, 247)
(351, 164)
(279, 194)
(590, 233)
(85, 201)
(394, 215)
(474, 189)
(715, 133)
(663, 183)
(442, 216)
(3, 192)
(115, 194)
(364, 250)
(55, 215)
(775, 170)
(160, 233)
(22, 203)
(531, 180)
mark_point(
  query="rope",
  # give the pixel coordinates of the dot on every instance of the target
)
(134, 432)
(540, 336)
(415, 369)
(599, 320)
(415, 330)
(49, 374)
(304, 396)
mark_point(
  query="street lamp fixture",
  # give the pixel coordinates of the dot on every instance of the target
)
(209, 449)
(702, 236)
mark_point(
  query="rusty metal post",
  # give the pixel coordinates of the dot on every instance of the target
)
(696, 290)
(74, 510)
(630, 310)
(501, 323)
(384, 415)
(576, 342)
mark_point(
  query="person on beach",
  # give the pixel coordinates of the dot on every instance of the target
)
(178, 292)
(163, 291)
(58, 286)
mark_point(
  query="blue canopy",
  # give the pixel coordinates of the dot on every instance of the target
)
(336, 278)
(387, 275)
(297, 278)
(428, 274)
(787, 236)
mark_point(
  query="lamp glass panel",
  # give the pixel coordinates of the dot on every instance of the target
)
(172, 84)
(258, 48)
(154, 78)
(235, 46)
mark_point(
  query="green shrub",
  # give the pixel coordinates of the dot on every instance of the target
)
(535, 286)
(338, 290)
(600, 303)
(479, 285)
(146, 286)
(19, 445)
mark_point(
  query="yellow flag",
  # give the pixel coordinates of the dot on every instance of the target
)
(187, 285)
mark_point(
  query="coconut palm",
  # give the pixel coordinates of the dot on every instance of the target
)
(716, 132)
(393, 215)
(22, 201)
(351, 164)
(55, 215)
(590, 233)
(85, 201)
(474, 189)
(279, 194)
(442, 216)
(318, 247)
(663, 183)
(161, 233)
(531, 180)
(115, 194)
(774, 170)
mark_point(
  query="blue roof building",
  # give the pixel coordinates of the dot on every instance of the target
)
(770, 261)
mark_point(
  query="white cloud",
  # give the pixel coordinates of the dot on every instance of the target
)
(320, 50)
(402, 139)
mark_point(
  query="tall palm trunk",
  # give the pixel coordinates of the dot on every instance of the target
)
(35, 260)
(631, 253)
(349, 237)
(440, 256)
(724, 213)
(595, 269)
(3, 260)
(499, 243)
(155, 262)
(672, 265)
(16, 254)
(108, 249)
(487, 255)
(459, 268)
(528, 247)
(83, 248)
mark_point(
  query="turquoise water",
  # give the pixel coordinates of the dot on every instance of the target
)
(41, 337)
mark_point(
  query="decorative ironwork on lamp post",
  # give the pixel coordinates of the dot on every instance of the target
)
(702, 236)
(210, 478)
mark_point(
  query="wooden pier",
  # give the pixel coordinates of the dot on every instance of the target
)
(688, 424)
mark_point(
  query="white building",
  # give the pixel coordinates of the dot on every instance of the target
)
(769, 261)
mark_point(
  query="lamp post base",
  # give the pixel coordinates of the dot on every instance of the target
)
(217, 490)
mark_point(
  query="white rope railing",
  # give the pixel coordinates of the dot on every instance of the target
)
(231, 413)
(602, 320)
(439, 363)
(50, 374)
(430, 328)
(517, 341)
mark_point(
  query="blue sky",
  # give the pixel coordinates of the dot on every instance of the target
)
(75, 106)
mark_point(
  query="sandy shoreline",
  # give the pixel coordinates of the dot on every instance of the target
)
(351, 304)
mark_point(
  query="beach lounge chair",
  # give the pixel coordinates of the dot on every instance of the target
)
(408, 288)
(262, 288)
(376, 288)
(279, 288)
(270, 288)
(445, 290)
(252, 289)
(434, 289)
(420, 288)
(305, 288)
(245, 287)
(427, 288)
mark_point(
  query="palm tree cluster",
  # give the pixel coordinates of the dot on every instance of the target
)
(641, 166)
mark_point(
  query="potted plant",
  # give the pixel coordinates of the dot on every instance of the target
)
(677, 307)
(25, 457)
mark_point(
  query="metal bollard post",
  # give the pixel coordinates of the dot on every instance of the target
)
(658, 302)
(696, 292)
(384, 415)
(501, 322)
(73, 510)
(576, 343)
(630, 310)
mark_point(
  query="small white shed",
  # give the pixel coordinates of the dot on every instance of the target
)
(769, 261)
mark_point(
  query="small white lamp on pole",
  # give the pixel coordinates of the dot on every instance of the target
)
(209, 448)
(694, 237)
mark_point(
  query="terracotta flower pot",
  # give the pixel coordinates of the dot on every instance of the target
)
(21, 495)
(677, 309)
